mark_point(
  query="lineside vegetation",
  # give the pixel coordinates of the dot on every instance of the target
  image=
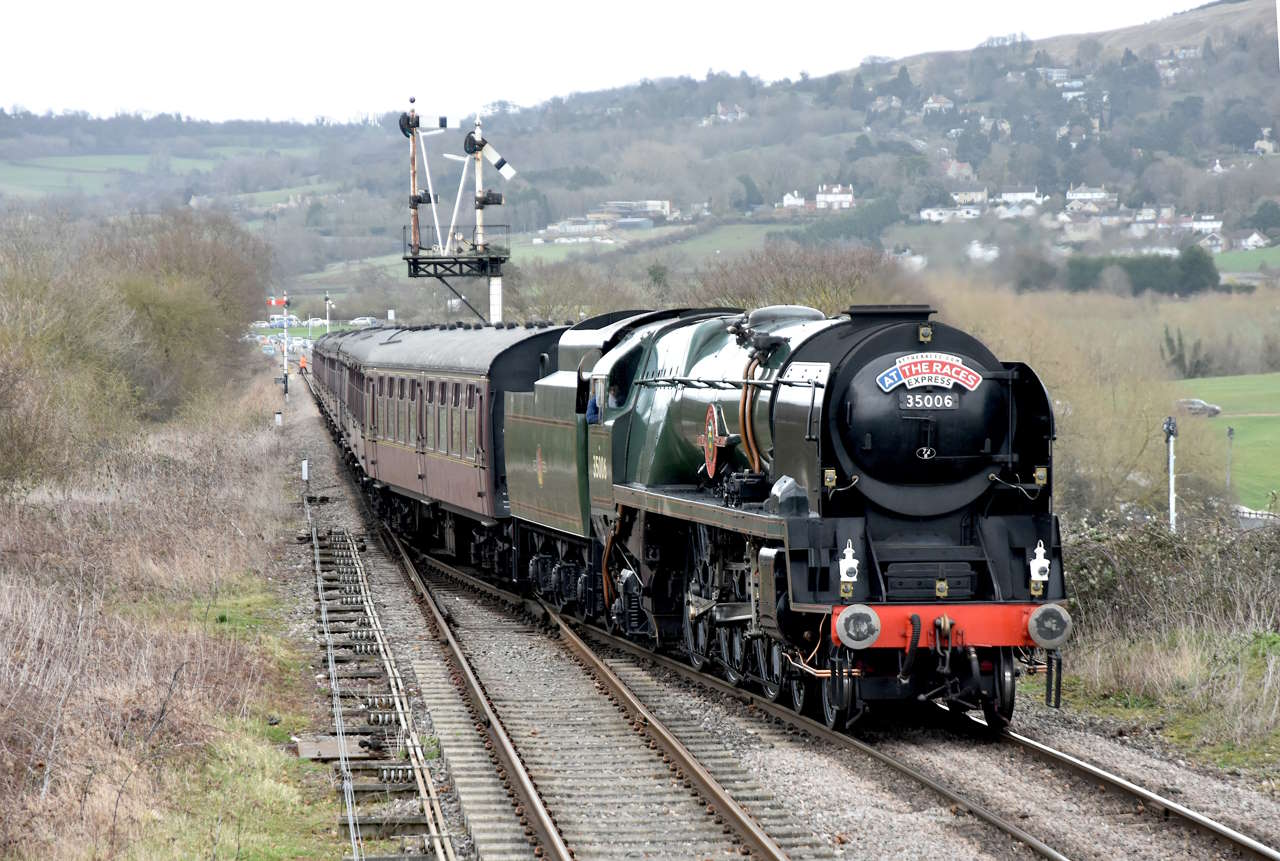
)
(147, 685)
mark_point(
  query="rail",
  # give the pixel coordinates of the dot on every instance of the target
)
(534, 810)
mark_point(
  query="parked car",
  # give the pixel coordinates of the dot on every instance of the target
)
(280, 321)
(268, 350)
(1197, 407)
(365, 321)
(260, 324)
(313, 321)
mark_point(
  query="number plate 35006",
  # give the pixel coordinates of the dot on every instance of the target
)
(928, 401)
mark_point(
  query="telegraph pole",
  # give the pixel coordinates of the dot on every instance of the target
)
(1231, 435)
(285, 375)
(328, 303)
(1171, 434)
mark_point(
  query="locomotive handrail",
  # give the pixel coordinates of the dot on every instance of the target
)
(727, 384)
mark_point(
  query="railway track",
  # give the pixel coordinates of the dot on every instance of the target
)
(388, 791)
(594, 760)
(634, 658)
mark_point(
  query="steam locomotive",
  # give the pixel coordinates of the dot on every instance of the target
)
(845, 512)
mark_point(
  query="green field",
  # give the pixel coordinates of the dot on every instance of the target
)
(282, 195)
(726, 240)
(239, 150)
(1248, 261)
(64, 174)
(1250, 404)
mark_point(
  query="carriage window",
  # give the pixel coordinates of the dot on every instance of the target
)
(455, 421)
(402, 416)
(442, 418)
(430, 420)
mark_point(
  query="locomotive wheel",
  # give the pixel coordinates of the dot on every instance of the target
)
(998, 710)
(771, 668)
(833, 711)
(798, 687)
(697, 637)
(733, 654)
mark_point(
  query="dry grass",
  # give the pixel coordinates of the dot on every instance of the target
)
(109, 672)
(1187, 623)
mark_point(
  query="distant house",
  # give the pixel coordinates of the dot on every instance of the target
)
(834, 197)
(1188, 52)
(1205, 222)
(958, 170)
(945, 214)
(1053, 75)
(1091, 198)
(988, 123)
(975, 195)
(1007, 211)
(725, 114)
(1086, 192)
(1247, 240)
(1213, 242)
(1021, 194)
(793, 200)
(1265, 145)
(937, 104)
(884, 103)
(1082, 206)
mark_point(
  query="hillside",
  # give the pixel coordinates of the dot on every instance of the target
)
(1145, 111)
(1218, 21)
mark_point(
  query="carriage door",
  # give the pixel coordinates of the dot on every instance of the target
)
(417, 422)
(373, 412)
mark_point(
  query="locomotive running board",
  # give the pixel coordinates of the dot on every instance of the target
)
(683, 504)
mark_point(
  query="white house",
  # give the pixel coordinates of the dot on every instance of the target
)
(975, 195)
(884, 103)
(1265, 145)
(945, 214)
(834, 197)
(1087, 192)
(1053, 75)
(1021, 194)
(1213, 243)
(793, 200)
(937, 104)
(1248, 240)
(1204, 222)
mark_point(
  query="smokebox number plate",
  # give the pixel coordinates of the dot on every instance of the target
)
(928, 401)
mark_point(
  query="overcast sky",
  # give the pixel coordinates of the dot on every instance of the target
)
(287, 60)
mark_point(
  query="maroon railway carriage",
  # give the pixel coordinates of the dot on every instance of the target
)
(426, 420)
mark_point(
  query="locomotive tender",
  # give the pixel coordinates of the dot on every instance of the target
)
(845, 511)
